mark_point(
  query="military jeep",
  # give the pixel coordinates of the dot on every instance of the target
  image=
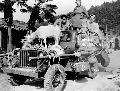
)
(22, 64)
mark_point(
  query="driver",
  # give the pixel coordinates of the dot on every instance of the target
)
(63, 23)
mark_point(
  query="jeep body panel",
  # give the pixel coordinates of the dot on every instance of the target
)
(68, 41)
(29, 72)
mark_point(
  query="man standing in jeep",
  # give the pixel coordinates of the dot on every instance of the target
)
(80, 13)
(80, 9)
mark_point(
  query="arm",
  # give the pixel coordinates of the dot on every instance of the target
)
(58, 22)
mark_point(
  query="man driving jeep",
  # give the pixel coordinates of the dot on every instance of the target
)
(63, 22)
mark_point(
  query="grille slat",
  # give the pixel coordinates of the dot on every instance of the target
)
(24, 58)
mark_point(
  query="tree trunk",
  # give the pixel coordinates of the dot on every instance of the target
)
(9, 46)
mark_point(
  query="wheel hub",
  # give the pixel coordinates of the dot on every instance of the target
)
(57, 80)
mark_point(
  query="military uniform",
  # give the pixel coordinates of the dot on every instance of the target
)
(76, 20)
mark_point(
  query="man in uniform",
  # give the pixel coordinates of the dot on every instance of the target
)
(94, 27)
(79, 20)
(80, 13)
(79, 8)
(63, 22)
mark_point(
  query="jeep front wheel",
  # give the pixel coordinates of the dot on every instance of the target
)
(54, 77)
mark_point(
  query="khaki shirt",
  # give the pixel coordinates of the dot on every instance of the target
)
(94, 27)
(78, 21)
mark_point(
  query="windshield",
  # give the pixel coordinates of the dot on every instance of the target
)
(66, 36)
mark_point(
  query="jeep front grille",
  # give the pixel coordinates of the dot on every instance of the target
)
(24, 58)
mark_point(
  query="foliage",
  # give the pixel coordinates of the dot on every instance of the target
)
(108, 13)
(1, 7)
(6, 7)
(39, 13)
(8, 12)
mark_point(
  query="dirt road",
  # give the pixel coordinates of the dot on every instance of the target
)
(100, 83)
(4, 83)
(114, 59)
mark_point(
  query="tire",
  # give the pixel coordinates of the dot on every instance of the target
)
(93, 67)
(5, 61)
(17, 80)
(15, 61)
(103, 58)
(53, 72)
(91, 73)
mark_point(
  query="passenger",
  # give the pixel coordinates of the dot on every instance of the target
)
(94, 27)
(63, 23)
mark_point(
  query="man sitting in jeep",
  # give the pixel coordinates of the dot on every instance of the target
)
(94, 27)
(63, 23)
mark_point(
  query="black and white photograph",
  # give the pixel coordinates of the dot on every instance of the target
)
(59, 45)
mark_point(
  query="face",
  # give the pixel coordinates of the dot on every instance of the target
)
(78, 2)
(92, 18)
(82, 15)
(64, 20)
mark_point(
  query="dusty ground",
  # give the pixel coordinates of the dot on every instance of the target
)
(4, 83)
(115, 59)
(102, 82)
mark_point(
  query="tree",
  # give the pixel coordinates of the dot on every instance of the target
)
(109, 11)
(38, 13)
(6, 7)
